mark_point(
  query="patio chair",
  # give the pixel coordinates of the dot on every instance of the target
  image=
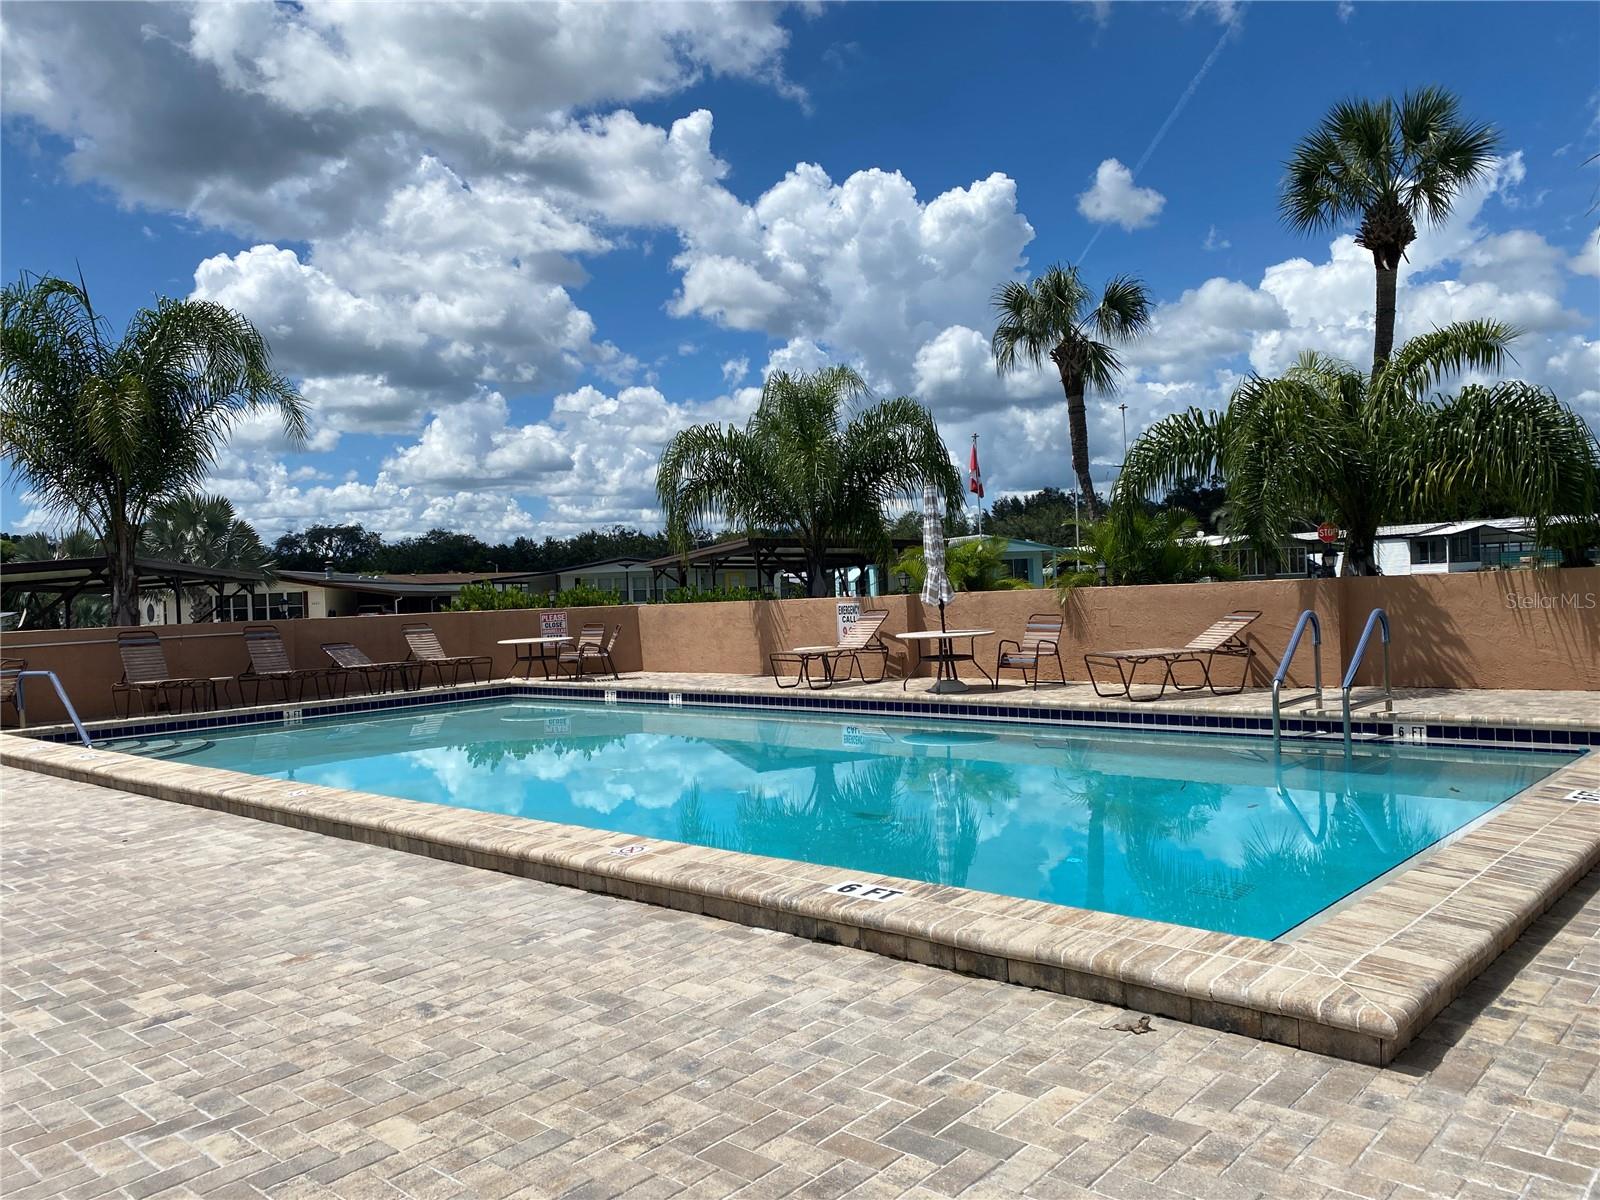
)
(145, 673)
(9, 667)
(350, 662)
(593, 645)
(269, 663)
(1041, 639)
(1221, 639)
(427, 651)
(862, 639)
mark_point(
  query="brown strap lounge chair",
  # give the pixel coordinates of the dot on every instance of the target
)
(351, 662)
(269, 664)
(862, 639)
(145, 674)
(428, 652)
(589, 649)
(1223, 638)
(1040, 640)
(9, 669)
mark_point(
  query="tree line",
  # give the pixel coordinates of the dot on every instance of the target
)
(352, 547)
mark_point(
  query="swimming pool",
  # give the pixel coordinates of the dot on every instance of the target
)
(1211, 831)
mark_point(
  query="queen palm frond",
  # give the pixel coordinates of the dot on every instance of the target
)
(107, 428)
(1327, 442)
(806, 466)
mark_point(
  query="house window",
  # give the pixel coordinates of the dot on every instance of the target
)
(234, 608)
(277, 606)
(1020, 568)
(1429, 551)
(1464, 547)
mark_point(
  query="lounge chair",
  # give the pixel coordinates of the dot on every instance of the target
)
(593, 645)
(269, 663)
(1221, 639)
(351, 661)
(145, 673)
(427, 651)
(1041, 639)
(862, 639)
(9, 668)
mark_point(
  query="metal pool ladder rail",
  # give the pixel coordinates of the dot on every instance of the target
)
(1306, 618)
(61, 694)
(1381, 618)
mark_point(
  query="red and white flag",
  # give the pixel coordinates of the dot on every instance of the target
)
(974, 475)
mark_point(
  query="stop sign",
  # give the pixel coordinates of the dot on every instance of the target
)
(1328, 532)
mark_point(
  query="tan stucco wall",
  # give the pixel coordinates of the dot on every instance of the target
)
(1482, 629)
(88, 663)
(1518, 629)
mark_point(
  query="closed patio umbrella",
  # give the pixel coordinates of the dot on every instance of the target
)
(935, 583)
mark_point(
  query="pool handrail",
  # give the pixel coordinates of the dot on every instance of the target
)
(1308, 617)
(1381, 618)
(61, 694)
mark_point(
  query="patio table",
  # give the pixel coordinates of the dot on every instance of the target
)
(543, 658)
(944, 654)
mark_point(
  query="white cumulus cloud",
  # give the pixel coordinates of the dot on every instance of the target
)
(1114, 199)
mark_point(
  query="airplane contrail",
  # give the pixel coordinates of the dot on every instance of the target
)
(1172, 116)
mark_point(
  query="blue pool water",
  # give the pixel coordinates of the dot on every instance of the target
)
(1210, 831)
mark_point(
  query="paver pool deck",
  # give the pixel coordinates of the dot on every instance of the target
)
(197, 1004)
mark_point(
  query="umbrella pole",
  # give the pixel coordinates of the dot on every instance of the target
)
(941, 617)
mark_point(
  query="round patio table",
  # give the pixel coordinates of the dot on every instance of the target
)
(944, 654)
(529, 658)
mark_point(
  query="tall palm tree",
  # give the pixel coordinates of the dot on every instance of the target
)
(204, 531)
(106, 428)
(1058, 317)
(805, 468)
(1389, 164)
(1327, 442)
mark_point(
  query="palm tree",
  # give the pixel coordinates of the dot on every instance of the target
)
(1327, 442)
(204, 531)
(1388, 164)
(108, 428)
(801, 470)
(1052, 318)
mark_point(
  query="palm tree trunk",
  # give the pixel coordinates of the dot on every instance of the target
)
(1360, 556)
(1383, 325)
(817, 581)
(1078, 428)
(122, 546)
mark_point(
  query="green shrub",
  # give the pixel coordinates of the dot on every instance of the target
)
(971, 566)
(479, 597)
(584, 596)
(699, 595)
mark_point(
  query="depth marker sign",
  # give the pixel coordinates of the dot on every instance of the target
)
(866, 891)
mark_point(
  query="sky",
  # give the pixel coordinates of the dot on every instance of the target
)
(508, 250)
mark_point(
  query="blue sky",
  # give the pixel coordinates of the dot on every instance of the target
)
(509, 253)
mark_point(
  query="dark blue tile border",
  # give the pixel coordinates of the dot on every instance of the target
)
(1293, 728)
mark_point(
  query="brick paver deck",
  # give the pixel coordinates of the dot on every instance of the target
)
(198, 1004)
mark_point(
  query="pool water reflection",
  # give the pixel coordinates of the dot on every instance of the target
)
(1209, 831)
